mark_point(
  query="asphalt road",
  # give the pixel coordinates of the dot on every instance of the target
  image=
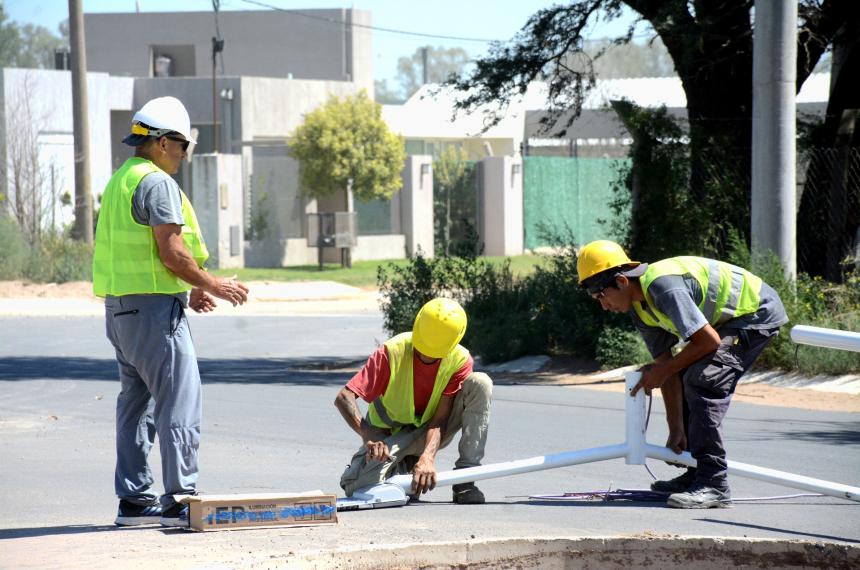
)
(269, 425)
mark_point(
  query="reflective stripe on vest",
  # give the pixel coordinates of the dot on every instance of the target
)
(126, 259)
(395, 408)
(728, 291)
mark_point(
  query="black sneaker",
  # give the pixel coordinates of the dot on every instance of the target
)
(679, 484)
(130, 514)
(468, 494)
(175, 516)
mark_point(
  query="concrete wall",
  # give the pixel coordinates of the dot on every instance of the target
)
(307, 44)
(217, 180)
(391, 246)
(501, 226)
(35, 102)
(416, 204)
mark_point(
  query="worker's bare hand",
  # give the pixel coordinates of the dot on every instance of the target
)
(229, 290)
(423, 476)
(653, 376)
(200, 301)
(376, 451)
(677, 442)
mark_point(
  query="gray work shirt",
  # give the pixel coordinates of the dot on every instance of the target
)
(678, 297)
(156, 201)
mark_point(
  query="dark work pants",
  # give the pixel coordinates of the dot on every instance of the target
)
(708, 387)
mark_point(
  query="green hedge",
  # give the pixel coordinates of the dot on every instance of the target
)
(547, 313)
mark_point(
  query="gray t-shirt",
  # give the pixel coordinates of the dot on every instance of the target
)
(156, 201)
(678, 297)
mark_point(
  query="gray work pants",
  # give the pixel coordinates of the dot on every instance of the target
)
(708, 388)
(160, 394)
(470, 413)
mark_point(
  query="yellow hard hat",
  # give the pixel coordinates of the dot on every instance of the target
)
(439, 326)
(600, 255)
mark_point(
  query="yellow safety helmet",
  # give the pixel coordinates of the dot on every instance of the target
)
(598, 256)
(439, 326)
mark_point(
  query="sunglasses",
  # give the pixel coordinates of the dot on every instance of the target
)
(184, 142)
(597, 290)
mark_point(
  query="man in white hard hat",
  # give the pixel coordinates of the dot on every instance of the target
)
(421, 391)
(148, 265)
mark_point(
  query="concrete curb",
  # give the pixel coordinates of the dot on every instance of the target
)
(702, 553)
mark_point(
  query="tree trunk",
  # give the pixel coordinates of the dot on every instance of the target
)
(829, 214)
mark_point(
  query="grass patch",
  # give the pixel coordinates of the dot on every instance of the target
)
(362, 273)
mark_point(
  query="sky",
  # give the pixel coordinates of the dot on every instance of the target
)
(481, 19)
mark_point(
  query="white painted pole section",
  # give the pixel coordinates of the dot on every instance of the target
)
(764, 474)
(529, 465)
(635, 407)
(774, 211)
(827, 338)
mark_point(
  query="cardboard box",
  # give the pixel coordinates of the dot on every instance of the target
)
(225, 512)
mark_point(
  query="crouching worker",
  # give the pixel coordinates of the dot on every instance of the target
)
(726, 314)
(421, 391)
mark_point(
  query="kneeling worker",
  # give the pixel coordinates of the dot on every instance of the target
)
(421, 391)
(726, 314)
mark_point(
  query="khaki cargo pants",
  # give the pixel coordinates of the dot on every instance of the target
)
(470, 413)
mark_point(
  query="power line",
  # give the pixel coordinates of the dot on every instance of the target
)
(375, 28)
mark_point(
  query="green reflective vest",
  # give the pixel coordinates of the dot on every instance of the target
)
(126, 260)
(728, 291)
(396, 407)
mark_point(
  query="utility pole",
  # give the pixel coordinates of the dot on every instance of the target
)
(83, 228)
(217, 47)
(424, 74)
(774, 156)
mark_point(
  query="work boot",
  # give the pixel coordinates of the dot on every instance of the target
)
(468, 494)
(700, 497)
(677, 485)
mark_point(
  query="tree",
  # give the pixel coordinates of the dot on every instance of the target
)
(710, 43)
(649, 59)
(31, 199)
(346, 144)
(829, 215)
(385, 95)
(442, 63)
(28, 45)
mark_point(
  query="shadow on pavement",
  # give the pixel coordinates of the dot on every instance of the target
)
(782, 530)
(313, 371)
(35, 532)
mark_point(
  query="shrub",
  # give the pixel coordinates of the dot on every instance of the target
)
(13, 252)
(808, 301)
(59, 259)
(56, 258)
(621, 347)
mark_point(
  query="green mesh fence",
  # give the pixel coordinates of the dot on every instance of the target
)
(575, 192)
(374, 217)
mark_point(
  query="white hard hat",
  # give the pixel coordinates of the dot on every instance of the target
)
(157, 118)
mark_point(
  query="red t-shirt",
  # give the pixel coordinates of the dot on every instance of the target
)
(371, 381)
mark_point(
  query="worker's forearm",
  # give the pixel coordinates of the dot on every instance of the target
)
(346, 405)
(180, 262)
(673, 400)
(703, 343)
(431, 442)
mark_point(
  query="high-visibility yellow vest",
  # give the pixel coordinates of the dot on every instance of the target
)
(125, 260)
(396, 407)
(728, 291)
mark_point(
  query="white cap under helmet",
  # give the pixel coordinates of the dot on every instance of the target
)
(157, 118)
